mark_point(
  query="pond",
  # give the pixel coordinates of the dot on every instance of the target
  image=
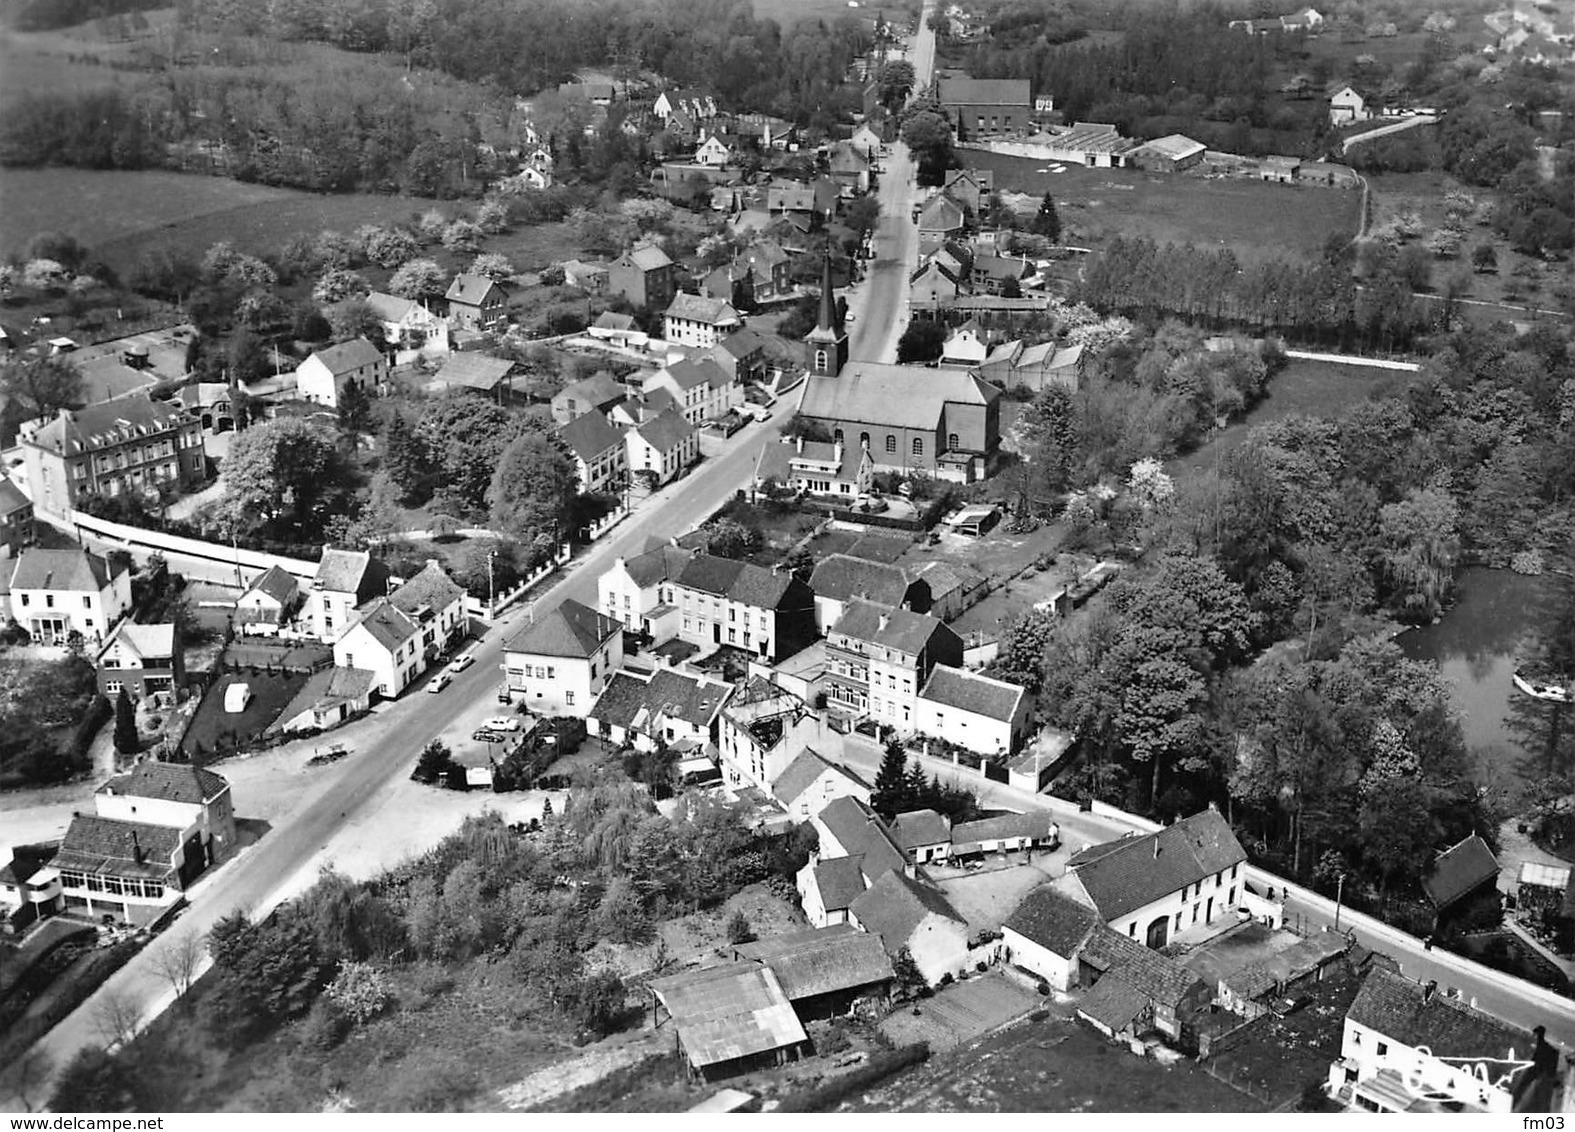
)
(1475, 645)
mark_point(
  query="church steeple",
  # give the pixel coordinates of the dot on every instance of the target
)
(826, 346)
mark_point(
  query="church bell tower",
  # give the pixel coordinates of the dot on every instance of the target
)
(826, 346)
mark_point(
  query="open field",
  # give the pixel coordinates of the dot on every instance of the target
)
(789, 12)
(1257, 220)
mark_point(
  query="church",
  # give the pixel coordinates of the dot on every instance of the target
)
(910, 419)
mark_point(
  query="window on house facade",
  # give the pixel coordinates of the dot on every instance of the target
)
(112, 687)
(918, 445)
(568, 697)
(951, 441)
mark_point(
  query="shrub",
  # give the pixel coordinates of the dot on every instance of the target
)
(739, 929)
(947, 980)
(1043, 988)
(360, 991)
(829, 1095)
(325, 1027)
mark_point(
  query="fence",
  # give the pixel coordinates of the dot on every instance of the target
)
(138, 542)
(475, 607)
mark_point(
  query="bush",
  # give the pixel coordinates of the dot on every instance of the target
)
(360, 991)
(739, 929)
(829, 1095)
(1043, 988)
(325, 1027)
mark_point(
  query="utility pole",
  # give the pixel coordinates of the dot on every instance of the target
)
(1339, 897)
(491, 588)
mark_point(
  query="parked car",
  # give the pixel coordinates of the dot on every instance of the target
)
(488, 735)
(503, 723)
(439, 682)
(461, 662)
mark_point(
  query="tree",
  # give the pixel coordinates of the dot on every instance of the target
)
(96, 1081)
(492, 265)
(463, 436)
(355, 410)
(1024, 643)
(279, 472)
(246, 357)
(889, 797)
(125, 724)
(894, 81)
(922, 341)
(738, 928)
(416, 279)
(389, 247)
(433, 763)
(532, 490)
(355, 318)
(909, 977)
(1484, 259)
(176, 959)
(929, 136)
(1421, 543)
(339, 283)
(117, 1016)
(462, 236)
(28, 1076)
(404, 458)
(1047, 221)
(41, 385)
(729, 538)
(360, 991)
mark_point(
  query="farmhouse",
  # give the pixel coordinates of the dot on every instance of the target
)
(1135, 990)
(409, 327)
(323, 377)
(1046, 934)
(810, 784)
(1347, 106)
(906, 913)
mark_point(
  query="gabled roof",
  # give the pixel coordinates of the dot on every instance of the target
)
(390, 627)
(920, 827)
(845, 158)
(862, 834)
(884, 549)
(895, 905)
(571, 630)
(471, 290)
(109, 423)
(1174, 146)
(821, 960)
(1408, 1013)
(117, 848)
(1055, 922)
(729, 1011)
(694, 699)
(1036, 824)
(648, 257)
(70, 571)
(621, 701)
(903, 631)
(1460, 870)
(897, 396)
(276, 582)
(474, 371)
(967, 691)
(346, 356)
(390, 308)
(11, 497)
(589, 436)
(167, 782)
(665, 431)
(341, 571)
(1133, 871)
(613, 320)
(841, 577)
(984, 92)
(741, 343)
(143, 640)
(944, 578)
(600, 389)
(698, 308)
(790, 198)
(742, 582)
(431, 588)
(324, 690)
(940, 214)
(690, 373)
(799, 775)
(1001, 267)
(1153, 973)
(841, 882)
(1113, 1003)
(658, 564)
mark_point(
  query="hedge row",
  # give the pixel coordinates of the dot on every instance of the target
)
(830, 1094)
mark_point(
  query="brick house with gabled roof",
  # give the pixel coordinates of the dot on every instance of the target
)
(986, 106)
(644, 275)
(1152, 887)
(742, 356)
(476, 302)
(701, 386)
(879, 658)
(601, 456)
(723, 601)
(560, 663)
(141, 659)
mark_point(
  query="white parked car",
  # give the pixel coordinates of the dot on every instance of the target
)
(439, 682)
(503, 723)
(461, 662)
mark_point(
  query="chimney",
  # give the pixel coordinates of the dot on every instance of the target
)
(836, 452)
(1156, 848)
(136, 848)
(885, 619)
(798, 444)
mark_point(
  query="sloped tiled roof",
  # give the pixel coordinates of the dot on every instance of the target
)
(738, 581)
(898, 396)
(389, 626)
(895, 905)
(1113, 1002)
(884, 549)
(277, 583)
(346, 356)
(571, 630)
(966, 691)
(862, 834)
(1133, 871)
(342, 571)
(12, 499)
(903, 631)
(1155, 974)
(649, 257)
(799, 775)
(621, 701)
(667, 430)
(693, 699)
(168, 782)
(842, 577)
(841, 882)
(729, 1011)
(940, 214)
(1034, 823)
(108, 423)
(658, 564)
(1055, 922)
(143, 640)
(599, 389)
(324, 690)
(1405, 1012)
(106, 846)
(1459, 871)
(821, 960)
(698, 308)
(471, 290)
(589, 436)
(920, 827)
(389, 308)
(984, 92)
(944, 578)
(474, 371)
(431, 587)
(73, 571)
(690, 373)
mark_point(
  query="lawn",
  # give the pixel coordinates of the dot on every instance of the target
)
(270, 692)
(1256, 219)
(1278, 1057)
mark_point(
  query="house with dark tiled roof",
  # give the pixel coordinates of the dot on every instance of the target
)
(1154, 886)
(678, 709)
(880, 658)
(827, 888)
(644, 275)
(193, 800)
(383, 639)
(1460, 875)
(436, 603)
(840, 578)
(345, 580)
(923, 835)
(983, 714)
(268, 603)
(1409, 1047)
(561, 661)
(595, 394)
(742, 355)
(765, 736)
(328, 698)
(908, 913)
(16, 519)
(702, 386)
(663, 445)
(476, 303)
(55, 593)
(141, 659)
(639, 591)
(1135, 991)
(970, 188)
(979, 107)
(940, 219)
(954, 586)
(809, 783)
(1046, 934)
(599, 451)
(323, 377)
(824, 971)
(849, 167)
(723, 601)
(694, 320)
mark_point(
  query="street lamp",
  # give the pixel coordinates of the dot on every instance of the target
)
(491, 588)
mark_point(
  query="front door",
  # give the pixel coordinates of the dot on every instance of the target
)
(1159, 932)
(1208, 913)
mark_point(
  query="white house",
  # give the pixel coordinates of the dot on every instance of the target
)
(345, 580)
(1408, 1048)
(1046, 933)
(1346, 106)
(662, 446)
(713, 152)
(411, 329)
(1153, 887)
(985, 715)
(385, 642)
(693, 320)
(193, 800)
(436, 603)
(765, 732)
(966, 346)
(907, 913)
(638, 591)
(55, 593)
(322, 378)
(810, 784)
(561, 661)
(268, 602)
(676, 708)
(700, 386)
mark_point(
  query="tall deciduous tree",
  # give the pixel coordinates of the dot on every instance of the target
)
(532, 490)
(1421, 544)
(417, 279)
(278, 472)
(42, 386)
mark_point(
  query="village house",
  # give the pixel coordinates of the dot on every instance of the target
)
(436, 603)
(1136, 991)
(809, 784)
(212, 403)
(966, 346)
(132, 444)
(680, 710)
(867, 140)
(970, 188)
(723, 601)
(645, 276)
(936, 282)
(944, 423)
(385, 641)
(1408, 1048)
(16, 519)
(601, 456)
(979, 107)
(638, 407)
(638, 592)
(476, 303)
(328, 698)
(742, 356)
(855, 849)
(697, 104)
(595, 394)
(561, 661)
(839, 579)
(763, 732)
(29, 889)
(881, 657)
(1153, 887)
(323, 377)
(984, 715)
(1046, 934)
(409, 327)
(714, 152)
(849, 168)
(141, 660)
(662, 446)
(1347, 106)
(908, 913)
(702, 388)
(55, 593)
(344, 581)
(1461, 878)
(691, 320)
(954, 587)
(814, 467)
(940, 219)
(998, 274)
(592, 278)
(618, 330)
(268, 603)
(924, 836)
